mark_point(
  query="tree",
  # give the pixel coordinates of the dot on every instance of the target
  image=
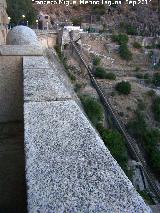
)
(124, 52)
(96, 61)
(93, 109)
(17, 8)
(123, 87)
(100, 72)
(138, 126)
(115, 143)
(77, 21)
(120, 39)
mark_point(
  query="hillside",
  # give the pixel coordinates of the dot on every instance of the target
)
(144, 18)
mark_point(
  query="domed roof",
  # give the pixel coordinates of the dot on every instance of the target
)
(22, 35)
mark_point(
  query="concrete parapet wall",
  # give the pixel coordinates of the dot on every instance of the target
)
(48, 40)
(21, 50)
(68, 167)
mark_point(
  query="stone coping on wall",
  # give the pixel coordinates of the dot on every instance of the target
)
(43, 84)
(68, 167)
(21, 50)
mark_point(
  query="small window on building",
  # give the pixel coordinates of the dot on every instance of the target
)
(46, 17)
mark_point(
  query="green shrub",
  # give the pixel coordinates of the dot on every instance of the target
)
(139, 75)
(147, 197)
(96, 61)
(71, 76)
(76, 21)
(151, 93)
(155, 160)
(156, 108)
(137, 69)
(146, 76)
(17, 8)
(124, 52)
(115, 143)
(149, 47)
(156, 79)
(137, 45)
(157, 66)
(58, 50)
(128, 28)
(77, 87)
(141, 105)
(149, 138)
(110, 76)
(99, 9)
(93, 109)
(123, 87)
(100, 72)
(137, 126)
(131, 30)
(120, 39)
(158, 45)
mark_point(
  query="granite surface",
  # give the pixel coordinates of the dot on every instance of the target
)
(68, 167)
(43, 84)
(21, 50)
(35, 62)
(21, 35)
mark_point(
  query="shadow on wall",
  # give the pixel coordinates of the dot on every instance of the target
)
(12, 162)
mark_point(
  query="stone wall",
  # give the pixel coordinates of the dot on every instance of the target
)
(48, 41)
(68, 167)
(11, 80)
(47, 38)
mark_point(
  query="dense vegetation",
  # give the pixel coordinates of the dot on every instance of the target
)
(96, 61)
(17, 8)
(76, 21)
(112, 139)
(93, 109)
(128, 28)
(148, 138)
(115, 143)
(124, 52)
(123, 87)
(100, 72)
(120, 39)
(137, 45)
(156, 79)
(156, 108)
